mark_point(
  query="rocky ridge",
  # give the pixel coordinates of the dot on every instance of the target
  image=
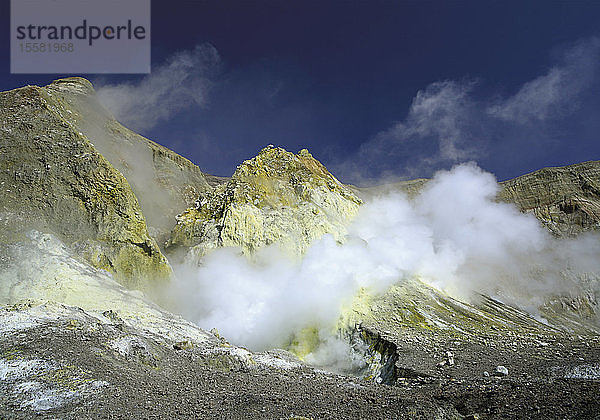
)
(565, 199)
(164, 182)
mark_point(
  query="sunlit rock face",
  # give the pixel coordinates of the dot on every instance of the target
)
(53, 179)
(164, 182)
(277, 198)
(565, 199)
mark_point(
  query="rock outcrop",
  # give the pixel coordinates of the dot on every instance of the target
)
(565, 199)
(53, 179)
(408, 330)
(274, 198)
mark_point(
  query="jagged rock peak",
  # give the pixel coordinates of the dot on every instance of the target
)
(281, 175)
(276, 197)
(75, 85)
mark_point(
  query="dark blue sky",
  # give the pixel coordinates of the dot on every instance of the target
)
(371, 88)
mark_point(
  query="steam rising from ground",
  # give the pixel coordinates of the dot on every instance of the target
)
(453, 236)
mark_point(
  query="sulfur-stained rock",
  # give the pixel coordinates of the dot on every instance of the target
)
(276, 197)
(53, 179)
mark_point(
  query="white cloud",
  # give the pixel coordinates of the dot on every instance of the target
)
(554, 93)
(535, 100)
(440, 128)
(448, 123)
(181, 81)
(440, 111)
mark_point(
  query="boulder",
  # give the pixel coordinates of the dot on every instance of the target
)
(501, 371)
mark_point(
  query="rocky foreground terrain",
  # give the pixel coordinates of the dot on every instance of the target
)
(93, 217)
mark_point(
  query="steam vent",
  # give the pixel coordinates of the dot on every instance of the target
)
(135, 285)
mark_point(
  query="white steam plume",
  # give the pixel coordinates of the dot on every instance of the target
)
(454, 235)
(183, 80)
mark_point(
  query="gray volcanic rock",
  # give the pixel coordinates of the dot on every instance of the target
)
(57, 361)
(53, 179)
(409, 330)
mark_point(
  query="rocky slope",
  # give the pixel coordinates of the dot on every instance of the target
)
(69, 364)
(421, 323)
(566, 200)
(164, 182)
(53, 179)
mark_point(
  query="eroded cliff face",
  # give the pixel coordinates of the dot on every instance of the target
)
(565, 199)
(53, 179)
(408, 330)
(277, 198)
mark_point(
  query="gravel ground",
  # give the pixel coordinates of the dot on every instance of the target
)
(111, 372)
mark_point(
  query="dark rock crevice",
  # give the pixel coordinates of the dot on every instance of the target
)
(380, 355)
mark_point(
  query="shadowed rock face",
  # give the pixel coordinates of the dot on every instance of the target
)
(274, 198)
(53, 179)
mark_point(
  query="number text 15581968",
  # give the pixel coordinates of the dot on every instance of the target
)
(47, 47)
